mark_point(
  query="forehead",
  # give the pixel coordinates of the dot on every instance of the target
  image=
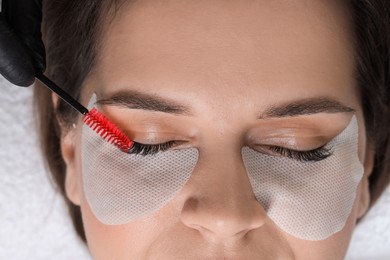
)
(230, 48)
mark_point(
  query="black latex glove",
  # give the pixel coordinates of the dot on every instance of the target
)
(22, 52)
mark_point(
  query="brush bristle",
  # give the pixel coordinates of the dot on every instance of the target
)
(107, 130)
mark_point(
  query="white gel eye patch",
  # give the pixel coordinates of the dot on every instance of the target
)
(122, 187)
(308, 200)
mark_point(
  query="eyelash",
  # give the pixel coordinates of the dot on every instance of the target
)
(150, 149)
(315, 155)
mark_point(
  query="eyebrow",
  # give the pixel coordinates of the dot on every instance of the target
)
(138, 100)
(308, 106)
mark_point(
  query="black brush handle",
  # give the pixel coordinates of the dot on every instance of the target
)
(61, 93)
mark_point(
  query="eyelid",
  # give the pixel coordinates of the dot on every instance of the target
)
(297, 143)
(313, 155)
(155, 137)
(299, 133)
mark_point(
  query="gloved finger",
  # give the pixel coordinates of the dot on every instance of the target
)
(37, 51)
(25, 17)
(16, 62)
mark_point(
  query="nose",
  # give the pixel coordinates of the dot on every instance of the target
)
(221, 204)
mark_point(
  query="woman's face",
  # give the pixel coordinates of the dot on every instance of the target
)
(225, 64)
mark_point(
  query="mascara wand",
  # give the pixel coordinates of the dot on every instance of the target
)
(62, 94)
(93, 118)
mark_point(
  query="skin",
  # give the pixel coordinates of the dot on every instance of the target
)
(227, 62)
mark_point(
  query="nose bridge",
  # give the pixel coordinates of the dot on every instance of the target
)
(221, 202)
(226, 171)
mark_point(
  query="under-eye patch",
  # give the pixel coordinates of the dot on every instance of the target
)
(308, 199)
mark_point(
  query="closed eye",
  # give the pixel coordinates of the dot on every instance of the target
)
(314, 155)
(150, 149)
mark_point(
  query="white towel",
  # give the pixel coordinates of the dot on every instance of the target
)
(33, 220)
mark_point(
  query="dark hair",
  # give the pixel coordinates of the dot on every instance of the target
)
(72, 30)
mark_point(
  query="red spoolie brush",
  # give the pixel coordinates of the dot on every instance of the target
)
(110, 132)
(94, 119)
